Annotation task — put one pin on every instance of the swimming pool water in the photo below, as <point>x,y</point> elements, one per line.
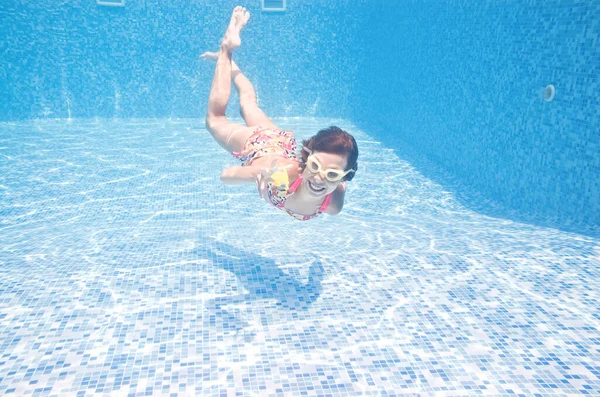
<point>129,269</point>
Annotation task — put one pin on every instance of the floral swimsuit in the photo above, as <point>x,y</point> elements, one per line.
<point>264,142</point>
<point>278,200</point>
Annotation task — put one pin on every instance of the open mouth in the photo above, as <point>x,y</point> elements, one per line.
<point>315,188</point>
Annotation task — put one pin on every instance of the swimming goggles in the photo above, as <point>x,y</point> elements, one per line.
<point>331,174</point>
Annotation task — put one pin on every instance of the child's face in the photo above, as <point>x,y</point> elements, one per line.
<point>315,182</point>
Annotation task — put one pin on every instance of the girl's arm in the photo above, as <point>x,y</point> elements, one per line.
<point>337,200</point>
<point>238,175</point>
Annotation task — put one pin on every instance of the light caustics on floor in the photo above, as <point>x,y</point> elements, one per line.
<point>128,268</point>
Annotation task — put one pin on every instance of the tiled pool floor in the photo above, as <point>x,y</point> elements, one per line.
<point>127,268</point>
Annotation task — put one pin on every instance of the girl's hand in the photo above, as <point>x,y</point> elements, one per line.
<point>264,177</point>
<point>261,184</point>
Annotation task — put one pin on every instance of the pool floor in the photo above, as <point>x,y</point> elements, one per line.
<point>128,269</point>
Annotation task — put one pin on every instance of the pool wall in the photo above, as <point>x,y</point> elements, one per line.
<point>461,83</point>
<point>82,60</point>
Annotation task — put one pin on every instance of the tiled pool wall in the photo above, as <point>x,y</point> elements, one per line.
<point>461,83</point>
<point>142,60</point>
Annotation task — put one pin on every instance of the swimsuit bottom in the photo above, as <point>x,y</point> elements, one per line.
<point>266,141</point>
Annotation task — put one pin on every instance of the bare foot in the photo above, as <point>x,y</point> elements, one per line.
<point>209,56</point>
<point>232,39</point>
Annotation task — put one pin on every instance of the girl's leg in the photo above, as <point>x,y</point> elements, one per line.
<point>252,114</point>
<point>230,136</point>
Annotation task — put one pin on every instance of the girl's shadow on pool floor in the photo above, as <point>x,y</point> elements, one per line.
<point>261,279</point>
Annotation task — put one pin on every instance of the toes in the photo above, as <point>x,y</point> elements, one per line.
<point>208,55</point>
<point>244,16</point>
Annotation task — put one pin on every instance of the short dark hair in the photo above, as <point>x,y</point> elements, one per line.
<point>332,140</point>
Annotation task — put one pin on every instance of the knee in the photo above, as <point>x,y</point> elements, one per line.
<point>211,121</point>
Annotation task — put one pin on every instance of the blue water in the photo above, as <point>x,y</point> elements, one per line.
<point>466,260</point>
<point>459,82</point>
<point>129,269</point>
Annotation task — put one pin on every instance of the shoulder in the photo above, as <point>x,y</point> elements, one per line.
<point>337,200</point>
<point>332,210</point>
<point>339,193</point>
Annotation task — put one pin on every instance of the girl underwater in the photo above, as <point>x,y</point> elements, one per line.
<point>305,184</point>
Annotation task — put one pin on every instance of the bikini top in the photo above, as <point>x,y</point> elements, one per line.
<point>278,196</point>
